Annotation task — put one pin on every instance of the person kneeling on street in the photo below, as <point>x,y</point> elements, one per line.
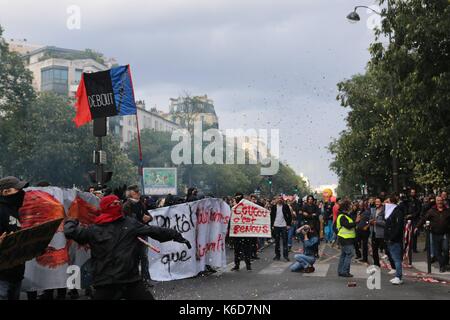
<point>113,240</point>
<point>305,261</point>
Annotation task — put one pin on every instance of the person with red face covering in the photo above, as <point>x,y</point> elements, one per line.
<point>113,240</point>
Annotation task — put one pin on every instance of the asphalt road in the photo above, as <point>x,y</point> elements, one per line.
<point>272,280</point>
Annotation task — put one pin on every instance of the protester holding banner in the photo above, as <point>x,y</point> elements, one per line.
<point>281,219</point>
<point>11,199</point>
<point>115,248</point>
<point>242,245</point>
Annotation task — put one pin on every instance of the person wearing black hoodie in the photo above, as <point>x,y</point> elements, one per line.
<point>393,235</point>
<point>11,199</point>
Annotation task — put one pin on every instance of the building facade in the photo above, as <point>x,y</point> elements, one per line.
<point>187,110</point>
<point>59,70</point>
<point>125,127</point>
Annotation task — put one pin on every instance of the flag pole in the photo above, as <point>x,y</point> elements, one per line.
<point>140,167</point>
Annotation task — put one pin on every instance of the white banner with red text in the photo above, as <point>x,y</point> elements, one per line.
<point>204,223</point>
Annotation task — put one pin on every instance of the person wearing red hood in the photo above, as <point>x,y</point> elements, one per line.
<point>114,250</point>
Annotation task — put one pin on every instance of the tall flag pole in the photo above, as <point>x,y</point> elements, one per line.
<point>141,162</point>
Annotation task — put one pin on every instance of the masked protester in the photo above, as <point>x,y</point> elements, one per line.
<point>115,248</point>
<point>11,199</point>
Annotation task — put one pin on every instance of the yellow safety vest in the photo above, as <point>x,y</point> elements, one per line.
<point>344,232</point>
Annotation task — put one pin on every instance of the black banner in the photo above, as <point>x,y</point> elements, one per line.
<point>100,94</point>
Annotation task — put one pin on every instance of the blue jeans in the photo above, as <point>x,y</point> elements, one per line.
<point>328,229</point>
<point>302,262</point>
<point>396,251</point>
<point>347,252</point>
<point>291,234</point>
<point>10,290</point>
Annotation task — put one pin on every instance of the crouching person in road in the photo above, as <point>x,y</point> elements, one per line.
<point>304,262</point>
<point>115,248</point>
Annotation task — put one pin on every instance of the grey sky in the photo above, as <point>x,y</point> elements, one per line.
<point>266,64</point>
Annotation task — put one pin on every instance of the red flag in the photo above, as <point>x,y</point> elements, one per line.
<point>82,106</point>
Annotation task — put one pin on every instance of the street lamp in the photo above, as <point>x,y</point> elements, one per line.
<point>353,17</point>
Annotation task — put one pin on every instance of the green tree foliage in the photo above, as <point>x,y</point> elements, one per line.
<point>401,103</point>
<point>216,179</point>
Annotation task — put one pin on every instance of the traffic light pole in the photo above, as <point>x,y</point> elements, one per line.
<point>101,177</point>
<point>98,164</point>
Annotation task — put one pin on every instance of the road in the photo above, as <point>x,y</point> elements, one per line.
<point>272,280</point>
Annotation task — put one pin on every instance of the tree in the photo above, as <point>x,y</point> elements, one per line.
<point>400,105</point>
<point>16,97</point>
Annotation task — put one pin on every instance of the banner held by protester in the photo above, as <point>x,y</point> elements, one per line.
<point>250,220</point>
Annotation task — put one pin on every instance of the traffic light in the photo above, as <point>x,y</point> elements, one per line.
<point>106,177</point>
<point>269,180</point>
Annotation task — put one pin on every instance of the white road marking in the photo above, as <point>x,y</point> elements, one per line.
<point>321,270</point>
<point>276,267</point>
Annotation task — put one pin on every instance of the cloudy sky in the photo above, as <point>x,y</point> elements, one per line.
<point>266,64</point>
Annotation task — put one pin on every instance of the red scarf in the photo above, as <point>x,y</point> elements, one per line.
<point>109,211</point>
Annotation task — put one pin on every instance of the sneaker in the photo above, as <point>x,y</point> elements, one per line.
<point>235,268</point>
<point>396,281</point>
<point>249,268</point>
<point>392,271</point>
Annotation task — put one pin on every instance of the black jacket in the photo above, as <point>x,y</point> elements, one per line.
<point>115,247</point>
<point>394,227</point>
<point>286,213</point>
<point>414,209</point>
<point>312,216</point>
<point>135,210</point>
<point>9,222</point>
<point>439,221</point>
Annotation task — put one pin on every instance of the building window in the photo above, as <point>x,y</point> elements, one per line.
<point>77,76</point>
<point>55,79</point>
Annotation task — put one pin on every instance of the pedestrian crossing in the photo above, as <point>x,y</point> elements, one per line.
<point>322,270</point>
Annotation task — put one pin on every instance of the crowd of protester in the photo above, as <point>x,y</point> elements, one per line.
<point>377,228</point>
<point>372,230</point>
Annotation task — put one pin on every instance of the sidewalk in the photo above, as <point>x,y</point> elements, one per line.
<point>420,267</point>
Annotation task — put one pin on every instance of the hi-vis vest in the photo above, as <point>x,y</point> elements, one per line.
<point>344,232</point>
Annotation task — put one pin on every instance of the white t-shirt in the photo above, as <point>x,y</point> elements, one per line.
<point>279,218</point>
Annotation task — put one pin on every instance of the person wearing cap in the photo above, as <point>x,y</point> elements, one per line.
<point>11,199</point>
<point>115,246</point>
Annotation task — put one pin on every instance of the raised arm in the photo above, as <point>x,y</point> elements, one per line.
<point>72,230</point>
